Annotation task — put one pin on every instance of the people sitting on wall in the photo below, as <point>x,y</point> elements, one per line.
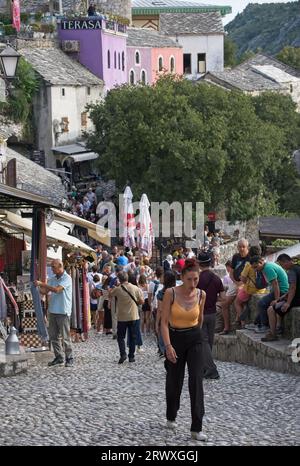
<point>91,9</point>
<point>279,309</point>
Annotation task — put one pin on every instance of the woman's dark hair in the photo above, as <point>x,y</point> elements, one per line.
<point>255,251</point>
<point>96,278</point>
<point>228,264</point>
<point>142,280</point>
<point>169,280</point>
<point>105,284</point>
<point>190,265</point>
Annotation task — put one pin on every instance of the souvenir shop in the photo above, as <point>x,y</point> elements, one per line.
<point>27,246</point>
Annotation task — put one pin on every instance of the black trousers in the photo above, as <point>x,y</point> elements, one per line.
<point>188,347</point>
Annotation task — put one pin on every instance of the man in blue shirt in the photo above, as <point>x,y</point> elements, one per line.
<point>122,260</point>
<point>59,310</point>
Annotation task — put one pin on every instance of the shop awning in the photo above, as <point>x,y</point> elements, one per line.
<point>13,198</point>
<point>55,234</point>
<point>82,157</point>
<point>77,148</point>
<point>100,234</point>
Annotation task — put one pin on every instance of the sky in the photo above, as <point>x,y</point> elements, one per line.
<point>237,5</point>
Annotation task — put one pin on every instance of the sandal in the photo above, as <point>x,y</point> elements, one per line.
<point>224,332</point>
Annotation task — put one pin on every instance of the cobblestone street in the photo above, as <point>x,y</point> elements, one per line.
<point>98,402</point>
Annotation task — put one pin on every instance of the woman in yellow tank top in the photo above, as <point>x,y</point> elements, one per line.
<point>181,322</point>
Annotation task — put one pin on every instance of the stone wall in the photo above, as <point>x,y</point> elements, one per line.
<point>116,7</point>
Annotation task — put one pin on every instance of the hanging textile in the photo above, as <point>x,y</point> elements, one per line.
<point>78,300</point>
<point>74,302</point>
<point>3,305</point>
<point>86,301</point>
<point>37,241</point>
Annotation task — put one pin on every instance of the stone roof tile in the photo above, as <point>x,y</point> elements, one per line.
<point>56,68</point>
<point>138,37</point>
<point>191,23</point>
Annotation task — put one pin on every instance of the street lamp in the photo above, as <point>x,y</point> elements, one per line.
<point>9,59</point>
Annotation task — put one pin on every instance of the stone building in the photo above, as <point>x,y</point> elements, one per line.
<point>116,7</point>
<point>259,74</point>
<point>60,114</point>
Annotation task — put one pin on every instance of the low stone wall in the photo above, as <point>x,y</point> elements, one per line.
<point>246,347</point>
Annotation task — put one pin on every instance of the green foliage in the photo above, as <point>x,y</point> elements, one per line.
<point>284,243</point>
<point>46,28</point>
<point>5,19</point>
<point>268,27</point>
<point>9,30</point>
<point>19,105</point>
<point>230,51</point>
<point>186,142</point>
<point>24,17</point>
<point>290,56</point>
<point>38,16</point>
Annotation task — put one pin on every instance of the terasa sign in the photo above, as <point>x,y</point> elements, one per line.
<point>81,24</point>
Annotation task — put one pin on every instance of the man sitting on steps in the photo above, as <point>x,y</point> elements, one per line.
<point>284,304</point>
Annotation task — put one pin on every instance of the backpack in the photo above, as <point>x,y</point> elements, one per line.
<point>260,280</point>
<point>154,299</point>
<point>95,294</point>
<point>238,270</point>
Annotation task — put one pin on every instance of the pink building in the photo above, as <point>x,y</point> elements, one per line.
<point>150,54</point>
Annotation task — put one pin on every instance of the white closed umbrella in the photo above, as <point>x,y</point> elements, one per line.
<point>128,220</point>
<point>145,232</point>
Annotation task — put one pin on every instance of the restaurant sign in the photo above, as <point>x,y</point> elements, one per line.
<point>80,24</point>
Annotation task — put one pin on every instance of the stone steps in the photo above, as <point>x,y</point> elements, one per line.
<point>14,364</point>
<point>246,347</point>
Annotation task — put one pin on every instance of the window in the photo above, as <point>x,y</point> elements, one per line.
<point>187,63</point>
<point>201,61</point>
<point>84,119</point>
<point>119,61</point>
<point>172,65</point>
<point>143,77</point>
<point>88,91</point>
<point>63,92</point>
<point>123,61</point>
<point>137,58</point>
<point>291,88</point>
<point>131,77</point>
<point>115,60</point>
<point>108,59</point>
<point>160,64</point>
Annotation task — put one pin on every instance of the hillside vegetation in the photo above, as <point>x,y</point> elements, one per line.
<point>269,27</point>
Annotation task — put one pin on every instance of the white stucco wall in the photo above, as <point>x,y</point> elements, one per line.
<point>56,107</point>
<point>212,45</point>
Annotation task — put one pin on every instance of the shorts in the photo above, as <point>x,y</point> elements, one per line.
<point>277,308</point>
<point>93,307</point>
<point>242,295</point>
<point>232,290</point>
<point>146,307</point>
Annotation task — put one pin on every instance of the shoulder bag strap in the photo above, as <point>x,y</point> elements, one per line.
<point>128,292</point>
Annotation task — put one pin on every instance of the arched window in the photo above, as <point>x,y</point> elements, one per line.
<point>115,60</point>
<point>123,61</point>
<point>108,59</point>
<point>132,77</point>
<point>137,58</point>
<point>119,61</point>
<point>143,77</point>
<point>160,64</point>
<point>172,65</point>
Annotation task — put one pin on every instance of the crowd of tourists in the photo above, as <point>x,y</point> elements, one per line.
<point>177,304</point>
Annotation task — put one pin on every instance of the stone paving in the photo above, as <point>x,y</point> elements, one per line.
<point>98,402</point>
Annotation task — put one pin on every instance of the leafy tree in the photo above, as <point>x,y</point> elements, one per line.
<point>185,142</point>
<point>290,56</point>
<point>230,51</point>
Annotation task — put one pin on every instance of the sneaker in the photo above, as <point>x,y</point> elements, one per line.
<point>69,362</point>
<point>262,329</point>
<point>55,362</point>
<point>250,326</point>
<point>122,359</point>
<point>171,425</point>
<point>115,337</point>
<point>131,359</point>
<point>140,350</point>
<point>199,436</point>
<point>270,337</point>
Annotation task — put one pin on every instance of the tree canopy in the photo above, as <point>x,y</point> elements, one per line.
<point>290,56</point>
<point>180,141</point>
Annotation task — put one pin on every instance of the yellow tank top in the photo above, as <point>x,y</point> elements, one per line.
<point>181,318</point>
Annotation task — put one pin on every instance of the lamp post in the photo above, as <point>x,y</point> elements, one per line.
<point>9,59</point>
